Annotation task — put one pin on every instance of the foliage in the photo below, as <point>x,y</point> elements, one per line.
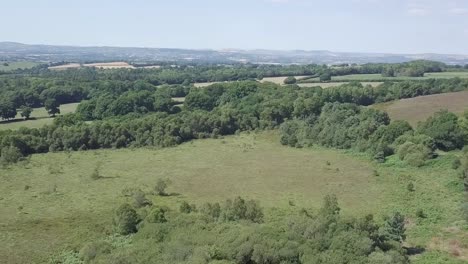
<point>443,127</point>
<point>125,220</point>
<point>26,112</point>
<point>290,80</point>
<point>160,187</point>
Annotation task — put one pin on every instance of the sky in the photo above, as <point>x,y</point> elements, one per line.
<point>390,26</point>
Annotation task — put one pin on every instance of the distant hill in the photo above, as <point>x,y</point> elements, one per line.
<point>50,53</point>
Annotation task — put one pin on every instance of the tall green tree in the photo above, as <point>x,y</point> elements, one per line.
<point>26,112</point>
<point>52,107</point>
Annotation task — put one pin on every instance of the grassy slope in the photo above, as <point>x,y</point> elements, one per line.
<point>420,108</point>
<point>17,65</point>
<point>39,118</point>
<point>38,221</point>
<point>434,75</point>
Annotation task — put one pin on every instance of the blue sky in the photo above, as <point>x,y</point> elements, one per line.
<point>398,26</point>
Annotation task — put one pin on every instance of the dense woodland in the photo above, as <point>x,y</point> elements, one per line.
<point>133,108</point>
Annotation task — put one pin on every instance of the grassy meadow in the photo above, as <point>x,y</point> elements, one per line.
<point>420,108</point>
<point>39,117</point>
<point>50,202</point>
<point>14,65</point>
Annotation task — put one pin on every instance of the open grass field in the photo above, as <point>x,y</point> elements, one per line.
<point>39,118</point>
<point>420,108</point>
<point>50,202</point>
<point>101,65</point>
<point>14,65</point>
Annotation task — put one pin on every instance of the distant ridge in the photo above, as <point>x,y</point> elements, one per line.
<point>55,53</point>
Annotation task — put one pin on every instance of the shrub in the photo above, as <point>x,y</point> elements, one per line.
<point>410,187</point>
<point>157,215</point>
<point>414,154</point>
<point>186,208</point>
<point>456,163</point>
<point>290,80</point>
<point>125,220</point>
<point>140,199</point>
<point>96,174</point>
<point>160,187</point>
<point>91,250</point>
<point>420,213</point>
<point>211,210</point>
<point>239,209</point>
<point>10,155</point>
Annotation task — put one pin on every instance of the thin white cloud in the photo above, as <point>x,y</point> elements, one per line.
<point>418,11</point>
<point>458,11</point>
<point>279,1</point>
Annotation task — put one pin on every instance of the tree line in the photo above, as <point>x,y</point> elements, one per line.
<point>221,109</point>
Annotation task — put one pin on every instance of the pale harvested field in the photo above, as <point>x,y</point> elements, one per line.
<point>101,65</point>
<point>65,66</point>
<point>335,84</point>
<point>420,108</point>
<point>110,65</point>
<point>280,80</point>
<point>204,84</point>
<point>178,99</point>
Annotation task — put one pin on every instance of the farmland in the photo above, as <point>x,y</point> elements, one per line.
<point>420,108</point>
<point>63,207</point>
<point>39,118</point>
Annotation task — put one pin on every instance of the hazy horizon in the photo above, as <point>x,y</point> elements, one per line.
<point>367,26</point>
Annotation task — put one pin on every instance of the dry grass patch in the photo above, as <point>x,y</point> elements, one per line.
<point>420,108</point>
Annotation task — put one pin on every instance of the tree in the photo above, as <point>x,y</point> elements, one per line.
<point>126,220</point>
<point>7,109</point>
<point>290,80</point>
<point>325,77</point>
<point>52,107</point>
<point>26,111</point>
<point>445,130</point>
<point>394,228</point>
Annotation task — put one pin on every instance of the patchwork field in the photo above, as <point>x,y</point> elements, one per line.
<point>39,118</point>
<point>51,202</point>
<point>420,108</point>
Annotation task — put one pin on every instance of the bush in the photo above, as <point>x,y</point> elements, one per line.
<point>96,174</point>
<point>410,187</point>
<point>239,209</point>
<point>91,250</point>
<point>10,155</point>
<point>160,187</point>
<point>186,208</point>
<point>456,163</point>
<point>211,210</point>
<point>140,199</point>
<point>420,213</point>
<point>125,220</point>
<point>414,154</point>
<point>157,215</point>
<point>290,80</point>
